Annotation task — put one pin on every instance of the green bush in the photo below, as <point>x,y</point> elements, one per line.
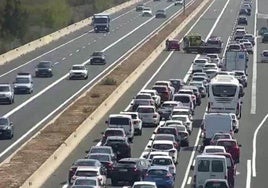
<point>109,81</point>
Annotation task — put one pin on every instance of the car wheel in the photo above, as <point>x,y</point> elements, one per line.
<point>86,77</point>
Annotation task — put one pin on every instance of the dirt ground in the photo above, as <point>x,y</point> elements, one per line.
<point>40,148</point>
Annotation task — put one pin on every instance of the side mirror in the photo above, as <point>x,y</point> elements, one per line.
<point>155,132</point>
<point>239,145</point>
<point>106,122</point>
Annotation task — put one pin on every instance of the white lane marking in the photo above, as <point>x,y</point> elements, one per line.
<point>131,51</point>
<point>125,36</point>
<point>56,63</point>
<point>64,44</point>
<point>254,65</point>
<point>189,180</point>
<point>199,131</point>
<point>77,50</point>
<point>248,183</point>
<point>88,43</point>
<point>83,47</point>
<point>254,148</point>
<point>70,54</point>
<point>193,163</point>
<point>63,58</point>
<point>225,49</point>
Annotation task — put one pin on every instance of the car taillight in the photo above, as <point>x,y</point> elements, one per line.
<point>135,169</point>
<point>169,175</point>
<point>154,116</point>
<point>146,174</point>
<point>136,121</point>
<point>110,164</point>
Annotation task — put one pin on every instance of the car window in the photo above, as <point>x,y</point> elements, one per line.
<point>86,173</point>
<point>217,166</point>
<point>162,146</point>
<point>215,184</point>
<point>119,121</point>
<point>203,166</point>
<point>161,162</point>
<point>3,121</point>
<point>183,99</point>
<point>144,186</point>
<point>157,172</point>
<point>145,110</point>
<point>4,88</point>
<point>85,182</point>
<point>101,158</point>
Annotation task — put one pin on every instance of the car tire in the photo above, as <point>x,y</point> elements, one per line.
<point>86,77</point>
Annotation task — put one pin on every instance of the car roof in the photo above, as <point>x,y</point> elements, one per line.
<point>159,167</point>
<point>163,142</point>
<point>85,168</point>
<point>114,128</point>
<point>146,106</point>
<point>162,134</point>
<point>227,140</point>
<point>130,159</point>
<point>144,183</point>
<point>116,138</point>
<point>119,115</point>
<point>162,157</point>
<point>213,147</point>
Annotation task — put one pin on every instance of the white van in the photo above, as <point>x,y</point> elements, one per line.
<point>122,121</point>
<point>209,167</point>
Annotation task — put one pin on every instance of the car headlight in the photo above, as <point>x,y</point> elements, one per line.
<point>49,69</point>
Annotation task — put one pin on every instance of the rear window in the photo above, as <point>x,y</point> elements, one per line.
<point>212,150</point>
<point>168,105</point>
<point>162,146</point>
<point>145,110</point>
<point>160,89</point>
<point>215,185</point>
<point>119,121</point>
<point>161,162</point>
<point>143,97</point>
<point>114,133</point>
<point>101,158</point>
<point>166,131</point>
<point>217,166</point>
<point>100,150</point>
<point>157,172</point>
<point>183,99</point>
<point>86,173</point>
<point>203,166</point>
<point>85,182</point>
<point>200,61</point>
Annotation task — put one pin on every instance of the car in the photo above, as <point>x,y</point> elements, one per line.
<point>106,160</point>
<point>210,66</point>
<point>149,156</point>
<point>231,146</point>
<point>213,149</point>
<point>264,38</point>
<point>177,83</point>
<point>6,128</point>
<point>112,132</point>
<point>211,73</point>
<point>263,30</point>
<point>164,92</point>
<point>167,137</point>
<point>200,74</point>
<point>154,94</point>
<point>196,93</point>
<point>249,47</point>
<point>178,2</point>
<point>120,146</point>
<point>83,186</point>
<point>44,69</point>
<point>89,171</point>
<point>98,57</point>
<point>148,115</point>
<point>87,181</point>
<point>214,58</point>
<point>101,149</point>
<point>147,184</point>
<point>241,76</point>
<point>186,99</point>
<point>161,176</point>
<point>23,83</point>
<point>170,129</point>
<point>82,162</point>
<point>137,122</point>
<point>185,120</point>
<point>250,37</point>
<point>216,183</point>
<point>166,83</point>
<point>147,11</point>
<point>173,44</point>
<point>78,71</point>
<point>198,64</point>
<point>201,78</point>
<point>164,161</point>
<point>234,47</point>
<point>160,13</point>
<point>167,107</point>
<point>6,93</point>
<point>165,145</point>
<point>218,136</point>
<point>239,34</point>
<point>201,87</point>
<point>242,20</point>
<point>140,7</point>
<point>182,111</point>
<point>144,102</point>
<point>147,96</point>
<point>244,12</point>
<point>129,170</point>
<point>264,56</point>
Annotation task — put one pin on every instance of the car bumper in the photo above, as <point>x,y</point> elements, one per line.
<point>5,133</point>
<point>22,90</point>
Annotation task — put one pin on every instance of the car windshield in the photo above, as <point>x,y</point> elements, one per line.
<point>183,99</point>
<point>227,144</point>
<point>100,20</point>
<point>145,110</point>
<point>224,90</point>
<point>114,133</point>
<point>85,182</point>
<point>166,130</point>
<point>265,54</point>
<point>44,65</point>
<point>78,68</point>
<point>101,158</point>
<point>22,80</point>
<point>3,121</point>
<point>162,146</point>
<point>215,184</point>
<point>198,78</point>
<point>126,163</point>
<point>100,150</point>
<point>143,97</point>
<point>157,172</point>
<point>85,163</point>
<point>119,121</point>
<point>162,162</point>
<point>213,42</point>
<point>169,105</point>
<point>142,102</point>
<point>221,136</point>
<point>213,56</point>
<point>4,88</point>
<point>97,54</point>
<point>200,61</point>
<point>160,11</point>
<point>88,173</point>
<point>180,118</point>
<point>213,150</point>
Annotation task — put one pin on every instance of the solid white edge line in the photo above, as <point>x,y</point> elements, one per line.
<point>64,44</point>
<point>248,183</point>
<point>254,64</point>
<point>254,148</point>
<point>189,180</point>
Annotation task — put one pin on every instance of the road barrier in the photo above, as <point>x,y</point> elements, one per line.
<point>31,46</point>
<point>54,161</point>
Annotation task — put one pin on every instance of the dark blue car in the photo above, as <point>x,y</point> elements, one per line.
<point>161,176</point>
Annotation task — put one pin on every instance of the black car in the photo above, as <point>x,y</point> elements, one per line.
<point>129,170</point>
<point>160,14</point>
<point>244,12</point>
<point>44,69</point>
<point>242,20</point>
<point>97,58</point>
<point>82,162</point>
<point>106,160</point>
<point>120,146</point>
<point>6,128</point>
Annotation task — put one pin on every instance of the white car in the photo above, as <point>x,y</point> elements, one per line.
<point>201,87</point>
<point>166,108</point>
<point>140,184</point>
<point>213,149</point>
<point>86,171</point>
<point>168,84</point>
<point>249,47</point>
<point>23,83</point>
<point>166,145</point>
<point>210,66</point>
<point>264,56</point>
<point>148,115</point>
<point>172,122</point>
<point>154,95</point>
<point>203,79</point>
<point>147,11</point>
<point>185,120</point>
<point>137,123</point>
<point>182,111</point>
<point>214,58</point>
<point>186,99</point>
<point>164,161</point>
<point>78,71</point>
<point>178,2</point>
<point>198,64</point>
<point>92,181</point>
<point>217,136</point>
<point>235,123</point>
<point>211,73</point>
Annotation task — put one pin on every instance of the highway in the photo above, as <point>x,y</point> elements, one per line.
<point>218,20</point>
<point>128,28</point>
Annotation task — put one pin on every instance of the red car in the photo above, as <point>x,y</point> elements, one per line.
<point>231,146</point>
<point>163,91</point>
<point>173,44</point>
<point>231,166</point>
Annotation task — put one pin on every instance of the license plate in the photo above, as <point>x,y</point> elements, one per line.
<point>158,179</point>
<point>123,170</point>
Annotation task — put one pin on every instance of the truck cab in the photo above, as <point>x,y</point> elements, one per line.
<point>101,22</point>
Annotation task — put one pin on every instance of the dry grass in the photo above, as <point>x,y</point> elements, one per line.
<point>36,152</point>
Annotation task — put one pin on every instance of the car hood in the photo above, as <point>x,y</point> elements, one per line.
<point>78,71</point>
